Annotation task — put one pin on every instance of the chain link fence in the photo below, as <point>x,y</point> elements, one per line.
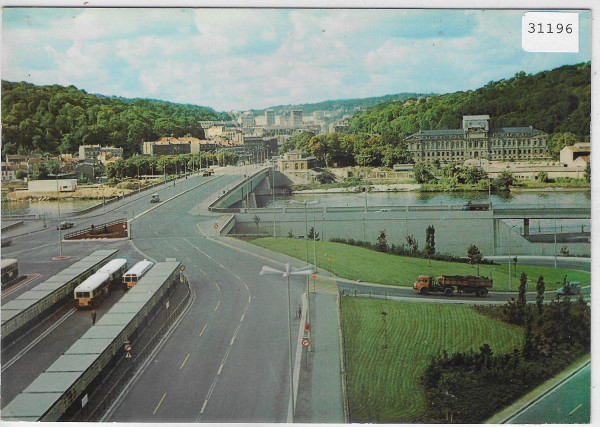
<point>95,412</point>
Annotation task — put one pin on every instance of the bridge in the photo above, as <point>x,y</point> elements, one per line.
<point>456,228</point>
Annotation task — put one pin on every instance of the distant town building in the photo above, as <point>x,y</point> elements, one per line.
<point>477,141</point>
<point>295,161</point>
<point>247,120</point>
<point>170,145</point>
<point>576,155</point>
<point>166,146</point>
<point>9,172</point>
<point>206,123</point>
<point>296,118</point>
<point>93,151</point>
<point>270,117</point>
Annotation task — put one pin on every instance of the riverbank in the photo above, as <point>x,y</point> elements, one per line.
<point>81,193</point>
<point>379,188</point>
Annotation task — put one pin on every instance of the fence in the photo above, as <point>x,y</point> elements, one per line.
<point>93,227</point>
<point>343,356</point>
<point>95,414</point>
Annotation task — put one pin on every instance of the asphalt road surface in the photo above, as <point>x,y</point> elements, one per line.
<point>569,403</point>
<point>227,361</point>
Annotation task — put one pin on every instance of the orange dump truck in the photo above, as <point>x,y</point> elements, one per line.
<point>478,285</point>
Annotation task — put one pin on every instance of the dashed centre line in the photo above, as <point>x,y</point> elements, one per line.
<point>202,331</point>
<point>158,406</point>
<point>576,408</point>
<point>217,285</point>
<point>186,358</point>
<point>218,304</point>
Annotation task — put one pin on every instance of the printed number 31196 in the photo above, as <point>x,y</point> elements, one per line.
<point>549,29</point>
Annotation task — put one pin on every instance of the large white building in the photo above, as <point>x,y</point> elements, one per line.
<point>476,140</point>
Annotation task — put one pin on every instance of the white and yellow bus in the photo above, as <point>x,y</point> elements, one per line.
<point>96,287</point>
<point>135,273</point>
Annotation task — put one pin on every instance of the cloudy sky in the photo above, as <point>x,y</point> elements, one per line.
<point>254,58</point>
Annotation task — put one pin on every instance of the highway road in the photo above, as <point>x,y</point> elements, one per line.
<point>227,360</point>
<point>568,403</point>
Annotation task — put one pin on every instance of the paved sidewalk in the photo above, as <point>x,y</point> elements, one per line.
<point>320,398</point>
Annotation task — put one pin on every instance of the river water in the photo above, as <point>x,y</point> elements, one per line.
<point>403,198</point>
<point>409,198</point>
<point>559,199</point>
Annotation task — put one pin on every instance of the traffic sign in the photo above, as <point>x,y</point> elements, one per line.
<point>305,342</point>
<point>307,327</point>
<point>216,226</point>
<point>127,347</point>
<point>314,275</point>
<point>182,268</point>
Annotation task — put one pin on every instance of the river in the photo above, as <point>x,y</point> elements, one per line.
<point>410,198</point>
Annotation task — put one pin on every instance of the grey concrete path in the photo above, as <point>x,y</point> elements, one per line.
<point>320,398</point>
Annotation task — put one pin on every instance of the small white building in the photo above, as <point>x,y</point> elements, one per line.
<point>576,155</point>
<point>46,185</point>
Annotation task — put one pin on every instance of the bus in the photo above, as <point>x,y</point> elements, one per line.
<point>95,288</point>
<point>135,273</point>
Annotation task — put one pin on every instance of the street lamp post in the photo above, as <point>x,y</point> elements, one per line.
<point>305,203</point>
<point>59,229</point>
<point>266,270</point>
<point>509,258</point>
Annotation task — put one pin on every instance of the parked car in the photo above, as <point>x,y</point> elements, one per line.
<point>64,225</point>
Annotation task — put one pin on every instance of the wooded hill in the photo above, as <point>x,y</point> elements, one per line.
<point>553,101</point>
<point>346,105</point>
<point>57,119</point>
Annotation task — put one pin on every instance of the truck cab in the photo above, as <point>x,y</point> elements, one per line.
<point>422,284</point>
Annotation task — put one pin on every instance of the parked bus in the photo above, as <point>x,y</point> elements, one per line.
<point>96,287</point>
<point>10,272</point>
<point>135,273</point>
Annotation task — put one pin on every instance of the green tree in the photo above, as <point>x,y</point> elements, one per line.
<point>504,181</point>
<point>429,241</point>
<point>40,171</point>
<point>412,244</point>
<point>381,245</point>
<point>540,287</point>
<point>558,141</point>
<point>588,172</point>
<point>521,298</point>
<point>422,173</point>
<point>475,256</point>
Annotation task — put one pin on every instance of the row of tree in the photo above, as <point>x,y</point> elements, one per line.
<point>56,119</point>
<point>351,149</point>
<point>139,166</point>
<point>554,101</point>
<point>471,386</point>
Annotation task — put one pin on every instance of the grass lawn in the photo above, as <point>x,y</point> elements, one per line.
<point>383,383</point>
<point>356,263</point>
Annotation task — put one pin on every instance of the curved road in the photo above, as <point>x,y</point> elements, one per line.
<point>227,361</point>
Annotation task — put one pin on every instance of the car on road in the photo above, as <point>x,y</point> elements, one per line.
<point>570,288</point>
<point>64,225</point>
<point>155,198</point>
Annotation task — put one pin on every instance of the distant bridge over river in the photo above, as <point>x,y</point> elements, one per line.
<point>456,228</point>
